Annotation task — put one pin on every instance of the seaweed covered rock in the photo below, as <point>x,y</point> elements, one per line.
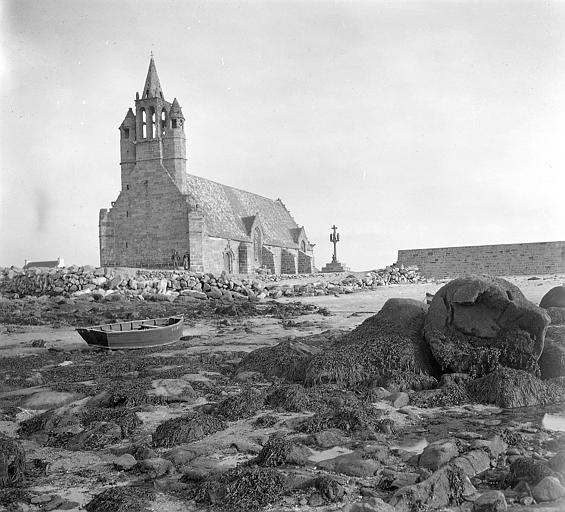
<point>186,429</point>
<point>280,450</point>
<point>509,388</point>
<point>122,499</point>
<point>98,435</point>
<point>53,424</point>
<point>12,462</point>
<point>243,489</point>
<point>289,397</point>
<point>287,360</point>
<point>528,470</point>
<point>552,359</point>
<point>477,323</point>
<point>240,406</point>
<point>554,298</point>
<point>348,418</point>
<point>388,349</point>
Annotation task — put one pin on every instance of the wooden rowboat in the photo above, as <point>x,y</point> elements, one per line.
<point>134,334</point>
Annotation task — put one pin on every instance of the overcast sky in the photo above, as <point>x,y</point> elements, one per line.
<point>407,124</point>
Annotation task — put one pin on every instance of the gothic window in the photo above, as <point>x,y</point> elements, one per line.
<point>303,246</point>
<point>126,133</point>
<point>152,125</point>
<point>174,123</point>
<point>163,122</point>
<point>143,123</point>
<point>257,245</point>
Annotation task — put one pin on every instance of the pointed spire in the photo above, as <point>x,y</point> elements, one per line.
<point>152,87</point>
<point>175,110</point>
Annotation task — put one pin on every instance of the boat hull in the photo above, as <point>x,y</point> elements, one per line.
<point>135,334</point>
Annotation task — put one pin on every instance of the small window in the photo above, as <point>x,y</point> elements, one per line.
<point>127,213</point>
<point>127,187</point>
<point>126,245</point>
<point>174,123</point>
<point>126,133</point>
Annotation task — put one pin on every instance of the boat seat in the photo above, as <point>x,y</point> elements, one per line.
<point>143,327</point>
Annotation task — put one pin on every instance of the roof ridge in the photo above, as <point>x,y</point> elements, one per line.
<point>236,188</point>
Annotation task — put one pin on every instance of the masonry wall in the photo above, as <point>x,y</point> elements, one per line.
<point>147,221</point>
<point>502,260</point>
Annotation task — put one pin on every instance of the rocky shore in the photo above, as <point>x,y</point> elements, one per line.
<point>456,405</point>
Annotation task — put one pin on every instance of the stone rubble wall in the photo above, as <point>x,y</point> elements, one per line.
<point>103,282</point>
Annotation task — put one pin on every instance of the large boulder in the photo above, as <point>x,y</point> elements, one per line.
<point>476,324</point>
<point>387,349</point>
<point>554,298</point>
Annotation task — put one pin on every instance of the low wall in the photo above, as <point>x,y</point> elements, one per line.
<point>502,260</point>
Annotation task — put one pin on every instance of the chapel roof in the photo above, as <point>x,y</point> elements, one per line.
<point>228,212</point>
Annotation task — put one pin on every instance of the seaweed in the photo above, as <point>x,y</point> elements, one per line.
<point>186,429</point>
<point>242,489</point>
<point>122,499</point>
<point>12,462</point>
<point>240,406</point>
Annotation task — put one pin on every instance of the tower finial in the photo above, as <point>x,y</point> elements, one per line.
<point>151,53</point>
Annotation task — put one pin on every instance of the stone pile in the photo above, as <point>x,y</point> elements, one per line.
<point>116,283</point>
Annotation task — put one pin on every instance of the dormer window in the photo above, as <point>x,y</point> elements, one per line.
<point>174,121</point>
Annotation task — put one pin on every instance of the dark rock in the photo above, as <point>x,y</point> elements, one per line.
<point>528,470</point>
<point>477,323</point>
<point>554,298</point>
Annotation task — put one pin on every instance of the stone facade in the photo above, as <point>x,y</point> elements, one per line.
<point>501,260</point>
<point>161,208</point>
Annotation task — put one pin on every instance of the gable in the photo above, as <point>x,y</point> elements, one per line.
<point>229,212</point>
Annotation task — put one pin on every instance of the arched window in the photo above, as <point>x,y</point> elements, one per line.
<point>303,246</point>
<point>152,125</point>
<point>143,123</point>
<point>163,121</point>
<point>257,245</point>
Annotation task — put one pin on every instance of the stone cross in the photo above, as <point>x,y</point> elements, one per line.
<point>334,239</point>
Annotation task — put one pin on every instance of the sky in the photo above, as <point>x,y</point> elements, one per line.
<point>407,124</point>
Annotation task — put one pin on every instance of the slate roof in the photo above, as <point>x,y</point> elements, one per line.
<point>229,212</point>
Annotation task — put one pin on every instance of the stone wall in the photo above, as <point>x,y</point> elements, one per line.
<point>288,262</point>
<point>147,221</point>
<point>502,260</point>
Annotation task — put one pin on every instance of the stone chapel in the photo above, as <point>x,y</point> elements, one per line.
<point>161,208</point>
